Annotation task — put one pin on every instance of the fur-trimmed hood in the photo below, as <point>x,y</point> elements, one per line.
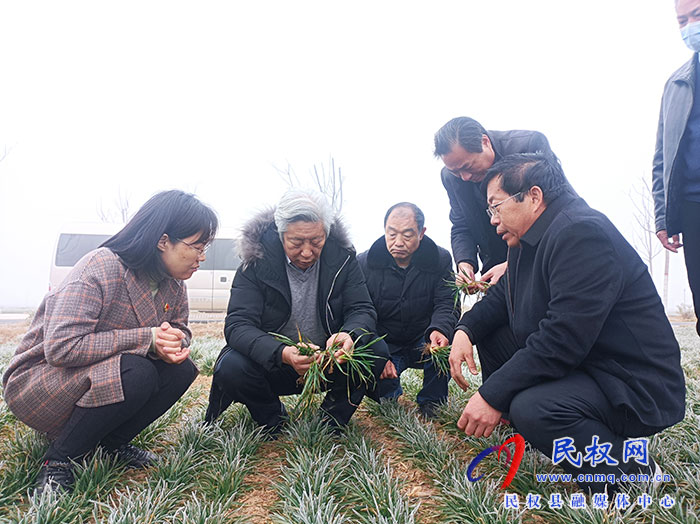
<point>250,243</point>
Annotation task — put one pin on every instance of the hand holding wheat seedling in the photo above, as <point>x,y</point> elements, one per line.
<point>439,356</point>
<point>341,353</point>
<point>463,283</point>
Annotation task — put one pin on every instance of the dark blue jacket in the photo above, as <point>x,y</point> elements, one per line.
<point>577,296</point>
<point>414,302</point>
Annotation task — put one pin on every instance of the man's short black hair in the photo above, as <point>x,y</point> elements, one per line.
<point>522,171</point>
<point>420,217</point>
<point>462,130</point>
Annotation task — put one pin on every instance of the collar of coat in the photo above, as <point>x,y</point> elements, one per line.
<point>149,308</point>
<point>426,257</point>
<point>533,235</point>
<point>686,73</point>
<point>259,239</point>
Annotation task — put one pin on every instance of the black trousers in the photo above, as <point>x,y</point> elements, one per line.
<point>573,406</point>
<point>238,378</point>
<point>150,388</point>
<point>690,223</point>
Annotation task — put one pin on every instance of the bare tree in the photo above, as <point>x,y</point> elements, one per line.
<point>118,213</point>
<point>330,184</point>
<point>645,241</point>
<point>328,180</point>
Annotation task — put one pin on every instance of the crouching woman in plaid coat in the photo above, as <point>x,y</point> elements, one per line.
<point>107,352</point>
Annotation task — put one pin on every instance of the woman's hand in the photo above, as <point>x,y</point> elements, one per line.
<point>168,344</point>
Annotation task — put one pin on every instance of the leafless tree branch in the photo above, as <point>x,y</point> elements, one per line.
<point>119,212</point>
<point>328,181</point>
<point>645,241</point>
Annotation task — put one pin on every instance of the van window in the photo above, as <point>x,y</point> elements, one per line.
<point>222,255</point>
<point>73,246</point>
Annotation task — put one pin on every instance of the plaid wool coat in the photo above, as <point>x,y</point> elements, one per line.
<point>71,354</point>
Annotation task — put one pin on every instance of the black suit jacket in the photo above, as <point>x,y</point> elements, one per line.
<point>472,233</point>
<point>577,296</point>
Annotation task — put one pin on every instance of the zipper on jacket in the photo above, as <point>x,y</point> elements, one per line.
<point>328,298</point>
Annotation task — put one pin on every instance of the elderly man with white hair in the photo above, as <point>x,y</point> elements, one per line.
<point>299,272</point>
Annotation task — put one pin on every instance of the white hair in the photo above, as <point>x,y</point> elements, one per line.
<point>305,205</point>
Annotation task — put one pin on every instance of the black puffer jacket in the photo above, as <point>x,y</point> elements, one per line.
<point>261,299</point>
<point>411,303</point>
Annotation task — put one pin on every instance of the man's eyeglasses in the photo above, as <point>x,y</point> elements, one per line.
<point>200,250</point>
<point>492,210</point>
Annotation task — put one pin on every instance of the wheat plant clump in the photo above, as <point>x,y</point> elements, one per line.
<point>356,365</point>
<point>439,356</point>
<point>467,286</point>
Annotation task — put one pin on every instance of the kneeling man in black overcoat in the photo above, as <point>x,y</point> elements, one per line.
<point>591,351</point>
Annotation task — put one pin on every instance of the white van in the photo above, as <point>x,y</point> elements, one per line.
<point>208,289</point>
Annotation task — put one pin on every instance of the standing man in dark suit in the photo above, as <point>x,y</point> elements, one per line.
<point>676,171</point>
<point>468,151</point>
<point>594,353</point>
<point>407,275</point>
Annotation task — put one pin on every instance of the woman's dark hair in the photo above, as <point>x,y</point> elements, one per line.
<point>175,213</point>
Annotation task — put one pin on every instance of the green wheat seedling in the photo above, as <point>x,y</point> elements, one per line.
<point>154,434</point>
<point>21,454</point>
<point>197,511</point>
<point>98,473</point>
<point>311,433</point>
<point>153,505</point>
<point>50,507</point>
<point>309,487</point>
<point>229,461</point>
<point>95,476</point>
<point>439,356</point>
<point>204,352</point>
<point>373,492</point>
<point>460,500</point>
<point>356,365</point>
<point>421,441</point>
<point>466,287</point>
<point>466,501</point>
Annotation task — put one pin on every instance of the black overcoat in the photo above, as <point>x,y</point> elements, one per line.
<point>578,296</point>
